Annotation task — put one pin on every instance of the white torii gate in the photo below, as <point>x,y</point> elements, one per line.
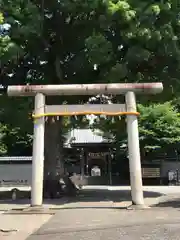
<point>41,110</point>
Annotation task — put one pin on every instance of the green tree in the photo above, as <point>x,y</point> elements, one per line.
<point>14,138</point>
<point>144,37</point>
<point>3,147</point>
<point>159,127</point>
<point>60,41</point>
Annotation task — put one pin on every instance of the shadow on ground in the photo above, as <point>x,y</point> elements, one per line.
<point>88,198</point>
<point>172,203</point>
<point>111,195</point>
<point>7,195</point>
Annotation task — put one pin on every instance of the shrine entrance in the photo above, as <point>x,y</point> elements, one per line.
<point>98,168</point>
<point>42,110</point>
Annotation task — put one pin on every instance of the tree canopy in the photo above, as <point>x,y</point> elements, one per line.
<point>159,126</point>
<point>59,42</point>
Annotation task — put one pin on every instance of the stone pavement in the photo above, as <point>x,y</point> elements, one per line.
<point>111,224</point>
<point>19,227</point>
<point>98,214</point>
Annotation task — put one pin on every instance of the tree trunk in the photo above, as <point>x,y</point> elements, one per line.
<point>54,163</point>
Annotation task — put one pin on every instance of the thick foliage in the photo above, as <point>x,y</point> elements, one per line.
<point>58,42</point>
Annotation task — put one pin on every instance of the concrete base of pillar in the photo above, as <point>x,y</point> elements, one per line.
<point>138,207</point>
<point>32,210</point>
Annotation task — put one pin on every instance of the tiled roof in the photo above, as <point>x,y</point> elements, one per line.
<point>79,136</point>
